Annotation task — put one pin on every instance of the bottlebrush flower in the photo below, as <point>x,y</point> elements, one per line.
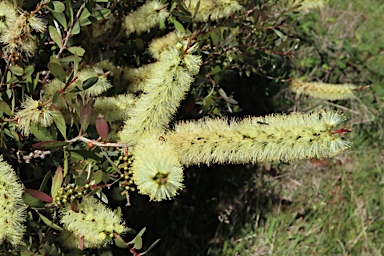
<point>12,206</point>
<point>258,139</point>
<point>8,16</point>
<point>157,171</point>
<point>168,82</point>
<point>212,9</point>
<point>146,17</point>
<point>309,4</point>
<point>17,35</point>
<point>34,112</point>
<point>93,222</point>
<point>323,90</point>
<point>113,108</point>
<point>158,45</point>
<point>137,77</point>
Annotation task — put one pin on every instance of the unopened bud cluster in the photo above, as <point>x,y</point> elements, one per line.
<point>124,163</point>
<point>68,194</point>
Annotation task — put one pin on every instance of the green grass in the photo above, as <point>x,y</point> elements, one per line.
<point>332,207</point>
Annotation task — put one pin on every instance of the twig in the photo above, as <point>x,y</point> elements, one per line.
<point>96,143</point>
<point>5,72</point>
<point>64,46</point>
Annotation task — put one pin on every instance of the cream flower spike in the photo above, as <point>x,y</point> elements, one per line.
<point>93,221</point>
<point>323,90</point>
<point>12,206</point>
<point>258,139</point>
<point>145,17</point>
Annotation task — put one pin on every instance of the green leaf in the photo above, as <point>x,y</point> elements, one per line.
<point>76,49</point>
<point>105,178</point>
<point>178,26</point>
<point>28,71</point>
<point>85,116</point>
<point>4,107</point>
<point>85,154</point>
<point>89,82</point>
<point>57,71</point>
<point>55,97</point>
<point>45,181</point>
<point>41,133</point>
<point>98,176</point>
<point>101,14</point>
<point>53,144</point>
<point>58,6</point>
<point>57,181</point>
<point>55,36</point>
<point>138,241</point>
<point>80,182</point>
<point>196,9</point>
<point>215,70</point>
<point>71,58</point>
<point>60,17</point>
<point>59,120</point>
<point>32,201</point>
<point>19,71</point>
<point>50,223</point>
<point>76,28</point>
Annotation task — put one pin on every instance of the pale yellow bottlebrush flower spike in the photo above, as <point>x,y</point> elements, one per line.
<point>157,171</point>
<point>93,221</point>
<point>137,77</point>
<point>169,81</point>
<point>323,90</point>
<point>8,16</point>
<point>304,5</point>
<point>34,112</point>
<point>114,109</point>
<point>12,206</point>
<point>158,45</point>
<point>258,139</point>
<point>145,17</point>
<point>212,9</point>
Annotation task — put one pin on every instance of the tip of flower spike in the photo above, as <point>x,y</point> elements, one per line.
<point>157,171</point>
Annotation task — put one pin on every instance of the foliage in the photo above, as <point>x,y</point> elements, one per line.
<point>89,93</point>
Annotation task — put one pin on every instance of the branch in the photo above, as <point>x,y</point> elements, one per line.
<point>64,46</point>
<point>96,143</point>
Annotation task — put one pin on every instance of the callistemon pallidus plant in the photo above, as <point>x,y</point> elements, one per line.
<point>169,81</point>
<point>157,171</point>
<point>12,206</point>
<point>323,90</point>
<point>258,139</point>
<point>92,222</point>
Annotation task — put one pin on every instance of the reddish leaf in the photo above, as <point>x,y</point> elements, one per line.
<point>39,195</point>
<point>49,144</point>
<point>85,116</point>
<point>102,126</point>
